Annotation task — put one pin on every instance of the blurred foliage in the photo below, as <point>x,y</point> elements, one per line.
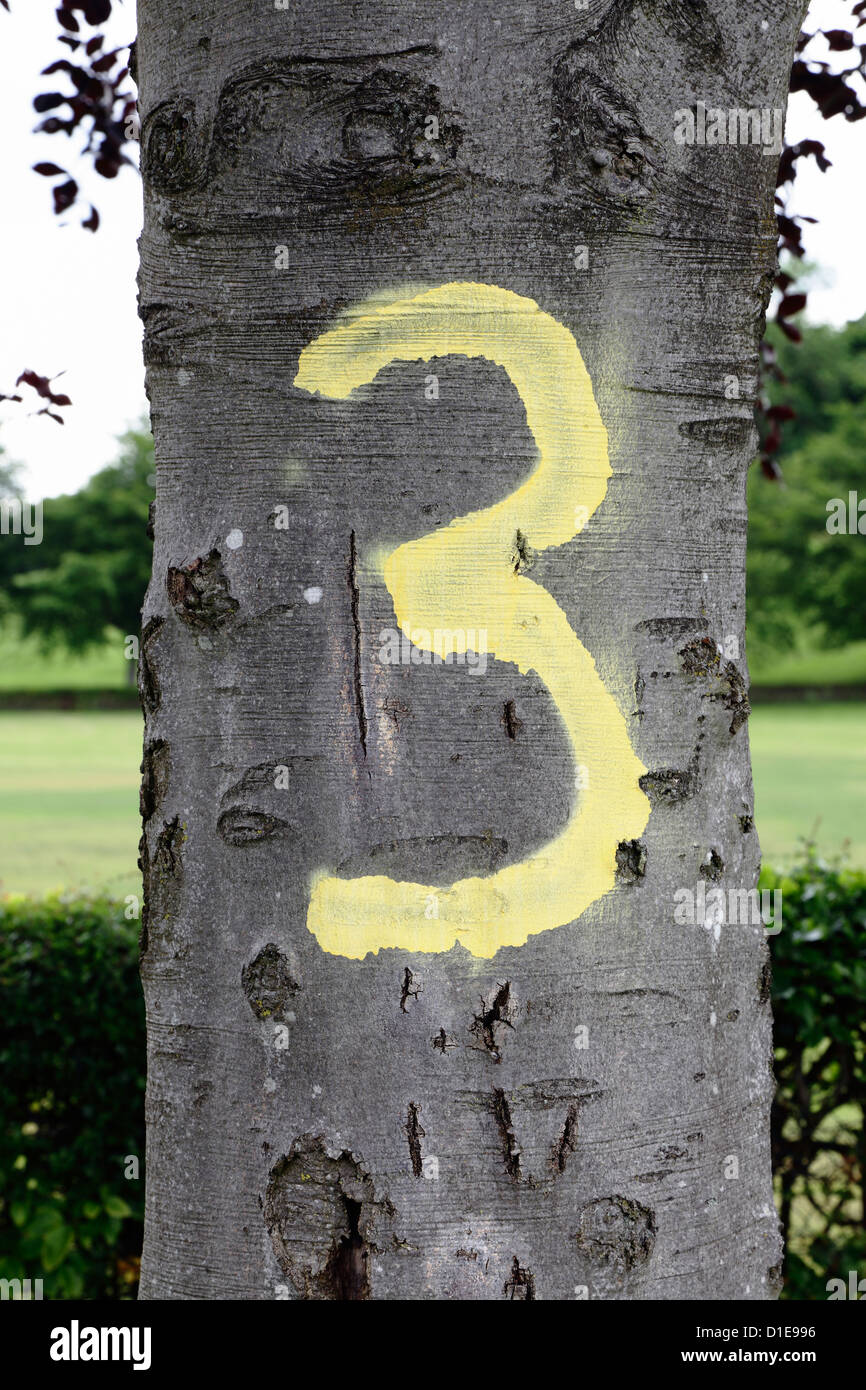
<point>72,1064</point>
<point>9,476</point>
<point>819,1145</point>
<point>91,571</point>
<point>798,573</point>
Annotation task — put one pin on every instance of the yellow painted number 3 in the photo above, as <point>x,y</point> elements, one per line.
<point>462,578</point>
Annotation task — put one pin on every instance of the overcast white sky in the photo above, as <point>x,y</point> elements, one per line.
<point>68,297</point>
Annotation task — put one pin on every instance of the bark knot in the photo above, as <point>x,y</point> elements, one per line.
<point>270,984</point>
<point>199,593</point>
<point>324,1219</point>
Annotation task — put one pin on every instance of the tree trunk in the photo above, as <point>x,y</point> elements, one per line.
<point>451,317</point>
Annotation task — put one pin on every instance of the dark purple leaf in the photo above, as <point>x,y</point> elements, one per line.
<point>40,384</point>
<point>770,469</point>
<point>53,124</point>
<point>83,82</point>
<point>64,195</point>
<point>829,90</point>
<point>92,222</point>
<point>791,304</point>
<point>838,39</point>
<point>772,441</point>
<point>48,101</point>
<point>814,147</point>
<point>47,170</point>
<point>96,11</point>
<point>789,234</point>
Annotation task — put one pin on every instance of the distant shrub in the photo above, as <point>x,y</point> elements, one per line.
<point>819,1144</point>
<point>72,1066</point>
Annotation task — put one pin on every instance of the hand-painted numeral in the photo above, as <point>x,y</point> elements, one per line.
<point>462,578</point>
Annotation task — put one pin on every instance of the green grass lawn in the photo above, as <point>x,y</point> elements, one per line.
<point>809,766</point>
<point>69,800</point>
<point>807,666</point>
<point>25,665</point>
<point>69,791</point>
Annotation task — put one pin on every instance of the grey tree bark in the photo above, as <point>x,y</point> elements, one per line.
<point>583,1113</point>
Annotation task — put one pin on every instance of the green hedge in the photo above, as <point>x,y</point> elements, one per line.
<point>72,1060</point>
<point>72,1063</point>
<point>819,1142</point>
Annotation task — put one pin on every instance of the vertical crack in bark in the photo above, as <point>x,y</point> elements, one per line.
<point>148,681</point>
<point>144,868</point>
<point>523,557</point>
<point>509,720</point>
<point>415,1133</point>
<point>505,1125</point>
<point>162,884</point>
<point>356,626</point>
<point>410,989</point>
<point>493,1016</point>
<point>567,1141</point>
<point>521,1285</point>
<point>155,775</point>
<point>347,1272</point>
<point>765,980</point>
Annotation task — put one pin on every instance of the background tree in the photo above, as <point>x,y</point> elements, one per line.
<point>800,575</point>
<point>88,574</point>
<point>10,475</point>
